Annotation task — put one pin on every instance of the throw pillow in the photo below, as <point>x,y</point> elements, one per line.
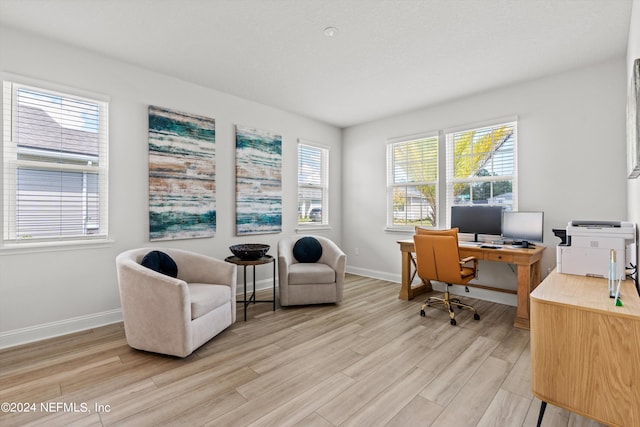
<point>307,249</point>
<point>160,262</point>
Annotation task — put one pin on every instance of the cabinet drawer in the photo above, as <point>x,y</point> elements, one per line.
<point>499,257</point>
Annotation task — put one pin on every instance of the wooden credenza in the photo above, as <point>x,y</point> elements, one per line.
<point>585,351</point>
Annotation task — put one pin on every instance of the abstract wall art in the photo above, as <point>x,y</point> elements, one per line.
<point>258,181</point>
<point>182,175</point>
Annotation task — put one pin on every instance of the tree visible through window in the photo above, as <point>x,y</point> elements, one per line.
<point>413,182</point>
<point>481,166</point>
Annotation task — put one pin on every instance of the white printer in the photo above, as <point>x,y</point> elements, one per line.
<point>588,245</point>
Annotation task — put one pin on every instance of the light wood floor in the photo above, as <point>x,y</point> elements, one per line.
<point>371,361</point>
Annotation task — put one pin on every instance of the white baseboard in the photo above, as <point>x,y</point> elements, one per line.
<point>483,294</point>
<point>61,327</point>
<point>260,285</point>
<point>375,274</point>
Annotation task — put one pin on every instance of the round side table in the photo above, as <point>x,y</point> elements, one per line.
<point>260,261</point>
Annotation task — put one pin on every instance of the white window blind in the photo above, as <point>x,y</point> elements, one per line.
<point>412,182</point>
<point>481,166</point>
<point>55,180</point>
<point>313,184</point>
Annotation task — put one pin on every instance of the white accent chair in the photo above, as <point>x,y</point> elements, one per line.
<point>175,316</point>
<point>303,283</point>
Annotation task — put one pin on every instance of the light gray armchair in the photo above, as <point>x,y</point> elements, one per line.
<point>311,282</point>
<point>175,316</point>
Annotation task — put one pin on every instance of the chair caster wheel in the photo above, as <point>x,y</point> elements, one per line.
<point>422,313</point>
<point>476,316</point>
<point>453,322</point>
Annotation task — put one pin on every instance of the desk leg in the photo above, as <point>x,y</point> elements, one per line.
<point>406,291</point>
<point>274,284</point>
<point>543,406</point>
<point>528,280</point>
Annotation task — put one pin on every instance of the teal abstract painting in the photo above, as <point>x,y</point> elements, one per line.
<point>182,175</point>
<point>258,181</point>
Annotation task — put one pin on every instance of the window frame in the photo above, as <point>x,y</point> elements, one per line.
<point>322,184</point>
<point>444,183</point>
<point>11,162</point>
<point>450,181</point>
<point>392,185</point>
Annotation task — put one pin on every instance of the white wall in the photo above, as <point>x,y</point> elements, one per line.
<point>633,52</point>
<point>52,292</point>
<point>571,162</point>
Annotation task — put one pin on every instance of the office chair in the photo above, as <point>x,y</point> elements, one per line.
<point>438,258</point>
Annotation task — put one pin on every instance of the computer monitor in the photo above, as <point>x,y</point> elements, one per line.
<point>477,219</point>
<point>522,227</point>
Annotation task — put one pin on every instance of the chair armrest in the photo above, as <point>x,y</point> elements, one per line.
<point>285,259</point>
<point>469,259</point>
<point>153,302</point>
<point>333,256</point>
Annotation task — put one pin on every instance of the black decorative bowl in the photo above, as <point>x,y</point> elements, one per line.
<point>249,251</point>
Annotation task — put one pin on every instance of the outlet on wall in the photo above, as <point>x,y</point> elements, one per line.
<point>356,251</point>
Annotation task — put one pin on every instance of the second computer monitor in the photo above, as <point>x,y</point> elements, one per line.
<point>523,226</point>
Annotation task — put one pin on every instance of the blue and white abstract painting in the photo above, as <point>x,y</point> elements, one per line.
<point>182,175</point>
<point>258,181</point>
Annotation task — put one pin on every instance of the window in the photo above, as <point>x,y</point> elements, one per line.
<point>313,184</point>
<point>55,165</point>
<point>428,174</point>
<point>481,167</point>
<point>412,182</point>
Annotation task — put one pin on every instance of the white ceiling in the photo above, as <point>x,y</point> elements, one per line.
<point>387,57</point>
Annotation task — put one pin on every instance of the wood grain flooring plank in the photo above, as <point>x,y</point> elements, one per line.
<point>386,405</point>
<point>505,410</point>
<point>452,378</point>
<point>282,391</point>
<point>374,383</point>
<point>418,412</point>
<point>470,403</point>
<point>304,404</point>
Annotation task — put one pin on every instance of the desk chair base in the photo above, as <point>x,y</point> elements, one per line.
<point>448,303</point>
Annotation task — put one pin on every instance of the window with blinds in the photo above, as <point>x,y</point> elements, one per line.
<point>412,183</point>
<point>313,184</point>
<point>55,180</point>
<point>481,166</point>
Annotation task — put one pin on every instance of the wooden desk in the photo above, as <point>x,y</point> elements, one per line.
<point>585,352</point>
<point>528,262</point>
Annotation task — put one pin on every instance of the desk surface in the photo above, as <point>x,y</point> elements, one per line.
<point>585,351</point>
<point>472,246</point>
<point>588,293</point>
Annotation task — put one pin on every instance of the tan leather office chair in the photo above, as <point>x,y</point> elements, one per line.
<point>438,258</point>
